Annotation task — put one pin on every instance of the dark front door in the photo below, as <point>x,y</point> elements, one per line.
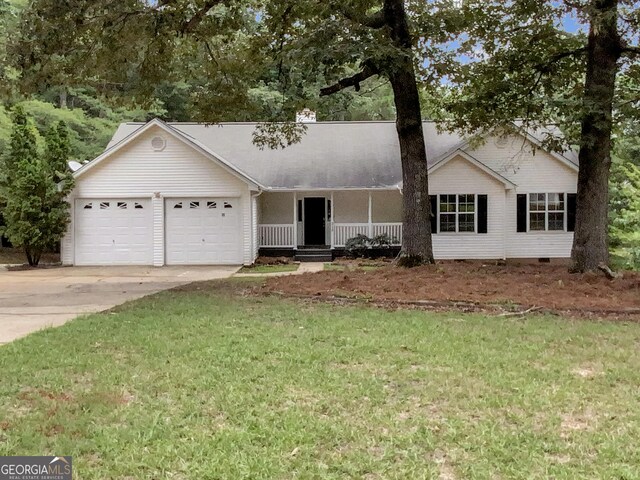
<point>314,221</point>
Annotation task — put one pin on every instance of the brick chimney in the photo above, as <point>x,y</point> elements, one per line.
<point>306,116</point>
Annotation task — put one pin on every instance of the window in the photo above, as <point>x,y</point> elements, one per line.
<point>194,204</point>
<point>178,205</point>
<point>138,206</point>
<point>227,205</point>
<point>104,205</point>
<point>122,205</point>
<point>457,213</point>
<point>88,206</point>
<point>212,205</point>
<point>546,211</point>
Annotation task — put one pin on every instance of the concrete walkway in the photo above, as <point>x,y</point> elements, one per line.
<point>34,299</point>
<point>305,267</point>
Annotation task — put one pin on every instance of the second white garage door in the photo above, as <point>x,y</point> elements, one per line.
<point>203,231</point>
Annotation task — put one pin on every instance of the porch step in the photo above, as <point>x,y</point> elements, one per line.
<point>314,255</point>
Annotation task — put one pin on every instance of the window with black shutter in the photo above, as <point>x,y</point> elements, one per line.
<point>546,212</point>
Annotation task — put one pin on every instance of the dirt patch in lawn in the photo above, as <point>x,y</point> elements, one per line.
<point>508,287</point>
<point>16,256</point>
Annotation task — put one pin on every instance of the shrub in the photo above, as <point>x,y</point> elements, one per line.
<point>363,246</point>
<point>357,246</point>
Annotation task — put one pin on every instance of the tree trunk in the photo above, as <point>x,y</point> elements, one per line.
<point>590,244</point>
<point>27,252</point>
<point>62,97</point>
<point>416,225</point>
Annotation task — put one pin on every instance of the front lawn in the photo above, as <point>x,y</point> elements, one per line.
<point>344,267</point>
<point>217,383</point>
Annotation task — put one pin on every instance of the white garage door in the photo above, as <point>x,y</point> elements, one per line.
<point>113,232</point>
<point>205,231</point>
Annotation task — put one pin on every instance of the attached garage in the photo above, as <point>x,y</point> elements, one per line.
<point>203,231</point>
<point>157,197</point>
<point>111,231</point>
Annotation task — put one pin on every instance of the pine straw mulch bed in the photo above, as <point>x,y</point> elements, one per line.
<point>472,286</point>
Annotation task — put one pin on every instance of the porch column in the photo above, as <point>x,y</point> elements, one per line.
<point>370,217</point>
<point>295,220</point>
<point>332,222</point>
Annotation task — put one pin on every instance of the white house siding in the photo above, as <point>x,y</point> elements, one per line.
<point>158,231</point>
<point>137,170</point>
<point>276,208</point>
<point>351,206</point>
<point>67,245</point>
<point>386,206</point>
<point>532,173</point>
<point>459,176</point>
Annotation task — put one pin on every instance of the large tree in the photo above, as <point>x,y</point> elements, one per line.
<point>391,39</point>
<point>230,48</point>
<point>34,188</point>
<point>554,62</point>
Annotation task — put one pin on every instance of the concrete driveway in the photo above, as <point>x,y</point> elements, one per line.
<point>34,299</point>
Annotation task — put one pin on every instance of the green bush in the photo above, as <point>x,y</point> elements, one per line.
<point>363,246</point>
<point>624,227</point>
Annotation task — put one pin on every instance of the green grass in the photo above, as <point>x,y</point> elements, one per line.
<point>288,267</point>
<point>211,384</point>
<point>334,267</point>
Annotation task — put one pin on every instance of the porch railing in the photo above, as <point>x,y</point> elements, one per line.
<point>281,235</point>
<point>344,231</point>
<point>276,235</point>
<point>393,230</point>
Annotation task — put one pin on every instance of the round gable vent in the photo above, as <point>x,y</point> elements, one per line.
<point>158,143</point>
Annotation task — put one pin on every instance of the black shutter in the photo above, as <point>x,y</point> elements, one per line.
<point>522,212</point>
<point>433,203</point>
<point>482,213</point>
<point>571,212</point>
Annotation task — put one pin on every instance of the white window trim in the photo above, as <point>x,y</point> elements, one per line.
<point>457,213</point>
<point>546,213</point>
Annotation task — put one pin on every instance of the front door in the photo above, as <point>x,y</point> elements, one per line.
<point>314,220</point>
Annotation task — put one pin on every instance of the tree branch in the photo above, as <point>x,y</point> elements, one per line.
<point>543,67</point>
<point>375,20</point>
<point>197,18</point>
<point>354,81</point>
<point>632,49</point>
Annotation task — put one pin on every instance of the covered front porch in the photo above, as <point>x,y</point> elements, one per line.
<point>327,219</point>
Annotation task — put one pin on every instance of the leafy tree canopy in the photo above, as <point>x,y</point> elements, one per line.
<point>34,186</point>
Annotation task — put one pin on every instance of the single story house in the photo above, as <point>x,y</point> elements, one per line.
<point>188,193</point>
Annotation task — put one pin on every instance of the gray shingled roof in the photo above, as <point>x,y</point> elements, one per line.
<point>330,154</point>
